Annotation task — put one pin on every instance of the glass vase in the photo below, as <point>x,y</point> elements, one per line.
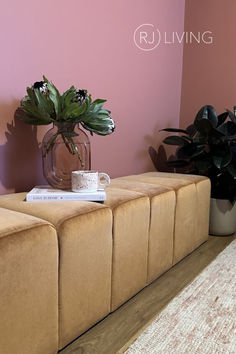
<point>65,148</point>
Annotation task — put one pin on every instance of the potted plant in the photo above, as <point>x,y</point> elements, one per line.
<point>208,147</point>
<point>65,147</point>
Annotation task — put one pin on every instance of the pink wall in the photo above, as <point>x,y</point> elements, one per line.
<point>209,71</point>
<point>89,44</point>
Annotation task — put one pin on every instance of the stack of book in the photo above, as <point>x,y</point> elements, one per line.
<point>49,194</point>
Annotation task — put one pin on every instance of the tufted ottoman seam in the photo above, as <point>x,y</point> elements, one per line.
<point>10,232</point>
<point>60,224</point>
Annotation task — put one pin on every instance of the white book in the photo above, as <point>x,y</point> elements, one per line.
<point>49,194</point>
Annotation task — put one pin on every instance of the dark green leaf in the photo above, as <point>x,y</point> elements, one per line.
<point>231,116</point>
<point>191,150</point>
<point>222,118</point>
<point>207,112</point>
<point>45,79</point>
<point>199,138</point>
<point>175,140</point>
<point>174,130</point>
<point>44,105</point>
<point>191,130</point>
<point>228,129</point>
<point>99,101</point>
<point>93,129</point>
<point>56,98</point>
<point>206,128</point>
<point>203,164</point>
<point>222,161</point>
<point>187,138</point>
<point>232,170</point>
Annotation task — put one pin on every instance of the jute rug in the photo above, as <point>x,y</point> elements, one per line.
<point>201,319</point>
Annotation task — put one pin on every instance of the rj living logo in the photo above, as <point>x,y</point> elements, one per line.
<point>147,37</point>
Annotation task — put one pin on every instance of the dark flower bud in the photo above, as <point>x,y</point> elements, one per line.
<point>111,126</point>
<point>81,95</point>
<point>42,86</point>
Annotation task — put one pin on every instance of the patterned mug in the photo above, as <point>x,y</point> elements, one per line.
<point>89,181</point>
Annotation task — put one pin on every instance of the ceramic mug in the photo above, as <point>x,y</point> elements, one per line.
<point>89,181</point>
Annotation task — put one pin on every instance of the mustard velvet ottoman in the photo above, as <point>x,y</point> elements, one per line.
<point>131,213</point>
<point>161,224</point>
<point>28,285</point>
<point>192,208</point>
<point>85,253</point>
<point>203,191</point>
<point>109,252</point>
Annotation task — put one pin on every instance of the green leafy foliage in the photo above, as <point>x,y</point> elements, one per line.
<point>44,104</point>
<point>208,147</point>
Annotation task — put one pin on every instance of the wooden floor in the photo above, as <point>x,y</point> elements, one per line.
<point>115,333</point>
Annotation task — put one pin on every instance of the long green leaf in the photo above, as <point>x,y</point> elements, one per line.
<point>175,140</point>
<point>174,130</point>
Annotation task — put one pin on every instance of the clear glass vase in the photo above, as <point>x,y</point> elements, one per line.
<point>65,148</point>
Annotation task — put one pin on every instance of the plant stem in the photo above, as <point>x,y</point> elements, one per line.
<point>69,143</point>
<point>50,144</point>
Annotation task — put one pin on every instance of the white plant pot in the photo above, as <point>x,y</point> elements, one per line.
<point>222,217</point>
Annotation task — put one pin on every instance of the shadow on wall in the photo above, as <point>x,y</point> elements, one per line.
<point>159,159</point>
<point>20,157</point>
<point>162,154</point>
<point>158,156</point>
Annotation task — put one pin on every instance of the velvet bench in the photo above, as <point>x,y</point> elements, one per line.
<point>65,265</point>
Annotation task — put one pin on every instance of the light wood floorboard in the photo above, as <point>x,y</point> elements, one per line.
<point>115,333</point>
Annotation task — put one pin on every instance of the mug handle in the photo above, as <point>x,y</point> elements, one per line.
<point>107,180</point>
